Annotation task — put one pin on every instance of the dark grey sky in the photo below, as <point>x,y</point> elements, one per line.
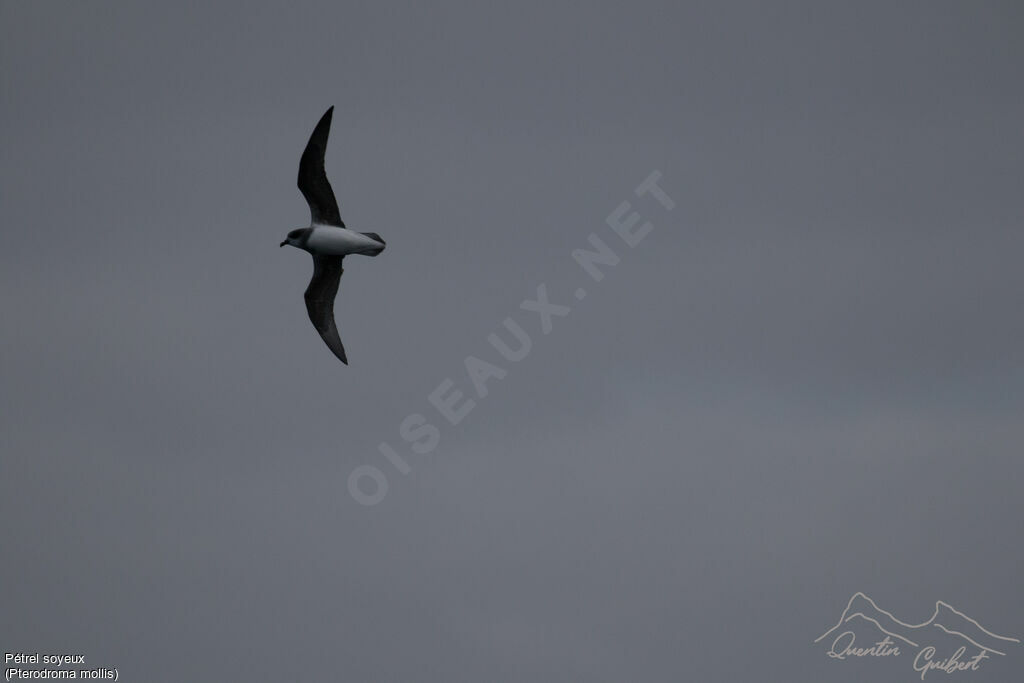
<point>806,381</point>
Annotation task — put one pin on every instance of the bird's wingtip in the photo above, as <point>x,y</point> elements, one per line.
<point>326,118</point>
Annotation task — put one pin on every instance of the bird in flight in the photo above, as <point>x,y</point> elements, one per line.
<point>326,238</point>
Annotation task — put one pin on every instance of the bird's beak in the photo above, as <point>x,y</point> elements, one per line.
<point>283,243</point>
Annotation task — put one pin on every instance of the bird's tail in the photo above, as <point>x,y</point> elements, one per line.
<point>378,238</point>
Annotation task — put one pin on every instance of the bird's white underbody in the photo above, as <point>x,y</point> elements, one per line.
<point>331,240</point>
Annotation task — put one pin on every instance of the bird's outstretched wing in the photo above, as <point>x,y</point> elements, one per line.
<point>319,297</point>
<point>313,181</point>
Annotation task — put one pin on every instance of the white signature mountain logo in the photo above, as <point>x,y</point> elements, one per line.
<point>950,641</point>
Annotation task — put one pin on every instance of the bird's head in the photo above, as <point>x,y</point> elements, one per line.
<point>296,238</point>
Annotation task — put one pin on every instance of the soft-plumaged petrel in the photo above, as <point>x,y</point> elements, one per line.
<point>326,239</point>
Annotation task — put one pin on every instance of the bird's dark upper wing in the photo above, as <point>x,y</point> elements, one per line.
<point>313,181</point>
<point>319,297</point>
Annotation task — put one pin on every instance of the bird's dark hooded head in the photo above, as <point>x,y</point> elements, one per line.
<point>297,238</point>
